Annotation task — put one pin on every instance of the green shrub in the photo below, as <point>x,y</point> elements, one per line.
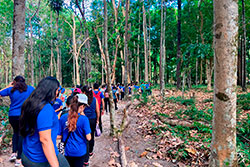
<point>180,100</point>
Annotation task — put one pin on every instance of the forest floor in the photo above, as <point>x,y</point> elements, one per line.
<point>165,132</point>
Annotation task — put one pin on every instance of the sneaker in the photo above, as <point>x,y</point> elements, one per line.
<point>86,164</point>
<point>18,162</point>
<point>12,157</point>
<point>91,154</point>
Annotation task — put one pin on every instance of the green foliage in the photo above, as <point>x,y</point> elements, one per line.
<point>95,76</point>
<point>180,100</point>
<point>243,101</point>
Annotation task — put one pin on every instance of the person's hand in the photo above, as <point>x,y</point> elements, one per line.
<point>10,84</point>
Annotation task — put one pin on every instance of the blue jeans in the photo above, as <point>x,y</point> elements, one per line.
<point>28,163</point>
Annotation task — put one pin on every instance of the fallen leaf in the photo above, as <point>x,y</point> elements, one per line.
<point>157,164</point>
<point>133,164</point>
<point>191,150</point>
<point>127,148</point>
<point>143,154</point>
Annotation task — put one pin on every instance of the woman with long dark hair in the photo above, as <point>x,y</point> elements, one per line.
<point>93,114</point>
<point>18,92</point>
<point>75,129</point>
<point>39,126</point>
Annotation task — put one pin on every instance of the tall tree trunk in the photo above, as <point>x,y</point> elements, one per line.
<point>223,147</point>
<point>51,46</point>
<point>145,42</point>
<point>201,70</point>
<point>162,48</point>
<point>58,73</point>
<point>138,53</point>
<point>209,70</point>
<point>123,66</point>
<point>18,38</point>
<point>178,70</point>
<point>87,45</point>
<point>31,45</point>
<point>149,46</point>
<point>112,113</point>
<point>196,71</point>
<point>243,47</point>
<point>126,48</point>
<point>117,40</point>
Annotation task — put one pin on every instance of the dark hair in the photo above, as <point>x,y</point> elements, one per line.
<point>19,84</point>
<point>96,85</point>
<point>69,100</point>
<point>103,86</point>
<point>44,93</point>
<point>89,93</point>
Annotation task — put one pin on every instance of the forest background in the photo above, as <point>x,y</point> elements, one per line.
<point>61,40</point>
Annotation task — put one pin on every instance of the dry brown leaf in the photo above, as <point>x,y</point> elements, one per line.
<point>191,150</point>
<point>157,164</point>
<point>143,154</point>
<point>127,148</point>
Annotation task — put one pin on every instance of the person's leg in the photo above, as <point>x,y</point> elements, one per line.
<point>14,122</point>
<point>109,104</point>
<point>92,141</point>
<point>106,100</point>
<point>62,161</point>
<point>100,120</point>
<point>115,101</point>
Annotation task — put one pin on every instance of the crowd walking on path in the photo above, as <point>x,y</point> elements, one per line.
<point>43,116</point>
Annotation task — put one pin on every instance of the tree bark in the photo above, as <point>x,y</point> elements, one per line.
<point>243,47</point>
<point>145,42</point>
<point>178,70</point>
<point>51,46</point>
<point>31,45</point>
<point>138,53</point>
<point>149,46</point>
<point>162,49</point>
<point>126,48</point>
<point>108,76</point>
<point>18,67</point>
<point>223,147</point>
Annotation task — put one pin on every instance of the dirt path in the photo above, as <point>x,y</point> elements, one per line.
<point>106,147</point>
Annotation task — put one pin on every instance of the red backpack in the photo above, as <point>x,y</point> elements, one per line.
<point>98,98</point>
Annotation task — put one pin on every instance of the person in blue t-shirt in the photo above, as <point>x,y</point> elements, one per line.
<point>115,97</point>
<point>39,126</point>
<point>75,126</point>
<point>18,92</point>
<point>93,114</point>
<point>58,105</point>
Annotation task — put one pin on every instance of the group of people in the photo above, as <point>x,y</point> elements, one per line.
<point>40,116</point>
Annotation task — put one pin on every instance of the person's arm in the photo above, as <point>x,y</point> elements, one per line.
<point>4,91</point>
<point>97,112</point>
<point>103,106</point>
<point>48,147</point>
<point>59,137</point>
<point>88,136</point>
<point>59,109</point>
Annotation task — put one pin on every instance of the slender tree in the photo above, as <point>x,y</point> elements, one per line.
<point>18,38</point>
<point>178,70</point>
<point>243,47</point>
<point>223,147</point>
<point>145,41</point>
<point>162,48</point>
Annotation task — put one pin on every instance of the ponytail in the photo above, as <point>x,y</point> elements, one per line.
<point>73,114</point>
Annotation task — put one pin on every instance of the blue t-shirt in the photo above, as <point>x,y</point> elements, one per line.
<point>136,87</point>
<point>90,111</point>
<point>101,95</point>
<point>32,147</point>
<point>57,104</point>
<point>76,144</point>
<point>147,86</point>
<point>114,92</point>
<point>16,99</point>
